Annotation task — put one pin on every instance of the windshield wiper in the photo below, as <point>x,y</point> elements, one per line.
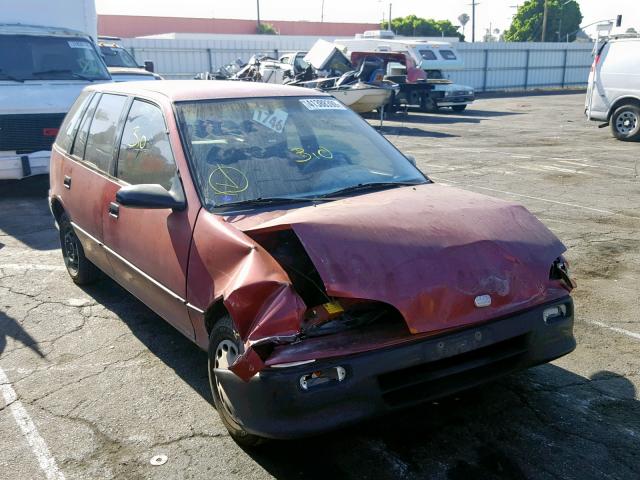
<point>268,201</point>
<point>361,187</point>
<point>74,74</point>
<point>10,77</point>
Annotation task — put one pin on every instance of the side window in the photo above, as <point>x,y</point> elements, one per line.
<point>427,54</point>
<point>103,132</point>
<point>145,153</point>
<point>81,137</point>
<point>448,54</point>
<point>71,120</point>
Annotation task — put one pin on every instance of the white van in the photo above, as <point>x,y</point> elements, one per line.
<point>43,68</point>
<point>613,93</point>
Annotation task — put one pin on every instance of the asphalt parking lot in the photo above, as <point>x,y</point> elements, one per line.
<point>94,384</point>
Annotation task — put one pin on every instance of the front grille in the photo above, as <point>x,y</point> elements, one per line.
<point>26,133</point>
<point>439,378</point>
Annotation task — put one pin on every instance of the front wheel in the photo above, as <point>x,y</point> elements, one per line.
<point>80,268</point>
<point>625,123</point>
<point>224,347</point>
<point>458,108</point>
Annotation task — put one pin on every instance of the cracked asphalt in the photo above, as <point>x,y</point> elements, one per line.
<point>108,384</point>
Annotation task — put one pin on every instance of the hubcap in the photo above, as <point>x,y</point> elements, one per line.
<point>71,258</point>
<point>226,354</point>
<point>626,122</point>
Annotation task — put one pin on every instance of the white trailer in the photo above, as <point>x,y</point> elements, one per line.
<point>434,57</point>
<point>47,56</point>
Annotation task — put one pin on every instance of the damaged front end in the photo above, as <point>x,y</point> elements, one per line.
<point>320,315</point>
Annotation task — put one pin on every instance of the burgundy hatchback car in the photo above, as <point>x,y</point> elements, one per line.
<point>326,276</point>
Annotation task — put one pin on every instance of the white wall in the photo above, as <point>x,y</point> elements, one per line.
<point>488,66</point>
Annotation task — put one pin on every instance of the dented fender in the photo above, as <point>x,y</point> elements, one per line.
<point>225,264</point>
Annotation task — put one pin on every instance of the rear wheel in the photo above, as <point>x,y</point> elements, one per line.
<point>80,269</point>
<point>458,108</point>
<point>224,347</point>
<point>625,123</point>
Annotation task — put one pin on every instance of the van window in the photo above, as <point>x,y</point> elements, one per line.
<point>427,54</point>
<point>81,137</point>
<point>117,57</point>
<point>103,132</point>
<point>39,57</point>
<point>145,153</point>
<point>70,124</point>
<point>448,54</point>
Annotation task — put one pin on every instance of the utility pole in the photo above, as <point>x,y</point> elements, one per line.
<point>322,13</point>
<point>258,4</point>
<point>544,21</point>
<point>390,16</point>
<point>473,20</point>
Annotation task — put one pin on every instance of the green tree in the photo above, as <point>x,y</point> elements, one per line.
<point>562,19</point>
<point>412,26</point>
<point>267,29</point>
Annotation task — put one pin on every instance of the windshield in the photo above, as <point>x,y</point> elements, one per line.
<point>117,57</point>
<point>28,57</point>
<point>286,148</point>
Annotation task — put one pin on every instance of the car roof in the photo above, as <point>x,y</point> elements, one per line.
<point>185,90</point>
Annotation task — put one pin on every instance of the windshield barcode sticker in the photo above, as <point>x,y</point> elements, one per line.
<point>322,104</point>
<point>275,121</point>
<point>75,44</point>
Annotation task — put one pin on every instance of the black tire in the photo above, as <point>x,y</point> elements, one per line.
<point>458,108</point>
<point>80,268</point>
<point>224,334</point>
<point>625,123</point>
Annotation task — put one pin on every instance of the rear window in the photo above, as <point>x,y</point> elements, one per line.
<point>448,54</point>
<point>427,54</point>
<point>103,132</point>
<point>70,125</point>
<point>81,137</point>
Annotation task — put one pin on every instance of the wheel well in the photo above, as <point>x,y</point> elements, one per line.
<point>214,313</point>
<point>56,209</point>
<point>623,101</point>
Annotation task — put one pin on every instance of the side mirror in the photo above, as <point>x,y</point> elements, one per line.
<point>148,66</point>
<point>149,195</point>
<point>412,159</point>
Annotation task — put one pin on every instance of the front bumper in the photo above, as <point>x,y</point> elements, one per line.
<point>16,166</point>
<point>273,403</point>
<point>455,100</point>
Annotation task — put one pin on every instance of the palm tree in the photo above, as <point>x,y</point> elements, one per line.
<point>463,19</point>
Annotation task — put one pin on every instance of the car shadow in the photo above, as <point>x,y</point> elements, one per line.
<point>542,423</point>
<point>164,341</point>
<point>25,214</point>
<point>11,328</point>
<point>411,132</point>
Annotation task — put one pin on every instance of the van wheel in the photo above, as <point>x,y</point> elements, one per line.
<point>224,347</point>
<point>80,269</point>
<point>625,123</point>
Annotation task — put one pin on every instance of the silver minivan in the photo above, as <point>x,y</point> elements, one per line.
<point>613,93</point>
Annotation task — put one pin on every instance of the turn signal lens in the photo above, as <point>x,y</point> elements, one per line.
<point>323,377</point>
<point>555,313</point>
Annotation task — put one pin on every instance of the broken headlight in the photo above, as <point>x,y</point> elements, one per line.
<point>560,271</point>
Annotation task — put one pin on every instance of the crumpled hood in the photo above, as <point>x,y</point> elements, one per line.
<point>428,250</point>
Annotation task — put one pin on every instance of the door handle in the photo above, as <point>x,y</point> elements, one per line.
<point>114,210</point>
<point>67,182</point>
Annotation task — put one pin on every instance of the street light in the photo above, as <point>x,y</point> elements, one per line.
<point>560,21</point>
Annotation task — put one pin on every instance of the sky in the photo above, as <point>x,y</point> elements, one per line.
<point>494,13</point>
